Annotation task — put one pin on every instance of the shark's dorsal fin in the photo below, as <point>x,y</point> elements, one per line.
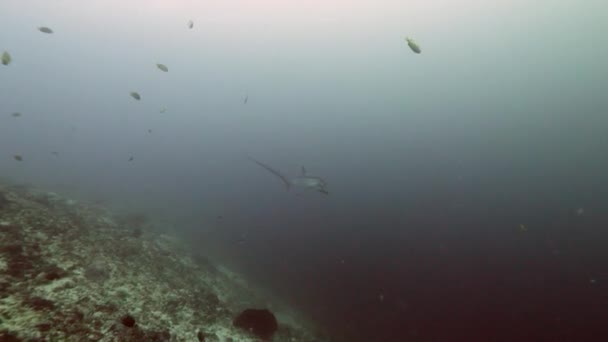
<point>303,171</point>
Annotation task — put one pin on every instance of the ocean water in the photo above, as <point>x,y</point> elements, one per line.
<point>467,187</point>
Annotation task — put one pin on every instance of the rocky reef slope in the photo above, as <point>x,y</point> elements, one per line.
<point>70,271</point>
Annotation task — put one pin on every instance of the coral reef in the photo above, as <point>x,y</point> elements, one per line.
<point>70,271</point>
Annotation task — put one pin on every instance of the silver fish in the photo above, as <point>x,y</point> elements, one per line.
<point>45,29</point>
<point>135,95</point>
<point>6,58</point>
<point>412,44</point>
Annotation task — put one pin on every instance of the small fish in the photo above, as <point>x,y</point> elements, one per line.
<point>412,44</point>
<point>55,153</point>
<point>131,158</point>
<point>16,114</point>
<point>149,131</point>
<point>45,29</point>
<point>219,217</point>
<point>190,24</point>
<point>6,58</point>
<point>135,95</point>
<point>162,110</point>
<point>242,239</point>
<point>523,228</point>
<point>246,99</point>
<point>18,157</point>
<point>162,67</point>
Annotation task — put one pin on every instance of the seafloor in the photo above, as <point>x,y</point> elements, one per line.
<point>73,271</point>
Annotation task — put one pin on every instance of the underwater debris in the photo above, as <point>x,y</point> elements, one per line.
<point>135,95</point>
<point>42,327</point>
<point>18,157</point>
<point>260,322</point>
<point>54,272</point>
<point>40,304</point>
<point>412,44</point>
<point>6,58</point>
<point>45,29</point>
<point>162,67</point>
<point>8,336</point>
<point>128,321</point>
<point>190,24</point>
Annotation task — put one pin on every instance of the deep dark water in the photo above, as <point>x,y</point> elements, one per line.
<point>455,175</point>
<point>451,264</point>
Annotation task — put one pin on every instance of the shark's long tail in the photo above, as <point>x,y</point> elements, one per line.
<point>273,171</point>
